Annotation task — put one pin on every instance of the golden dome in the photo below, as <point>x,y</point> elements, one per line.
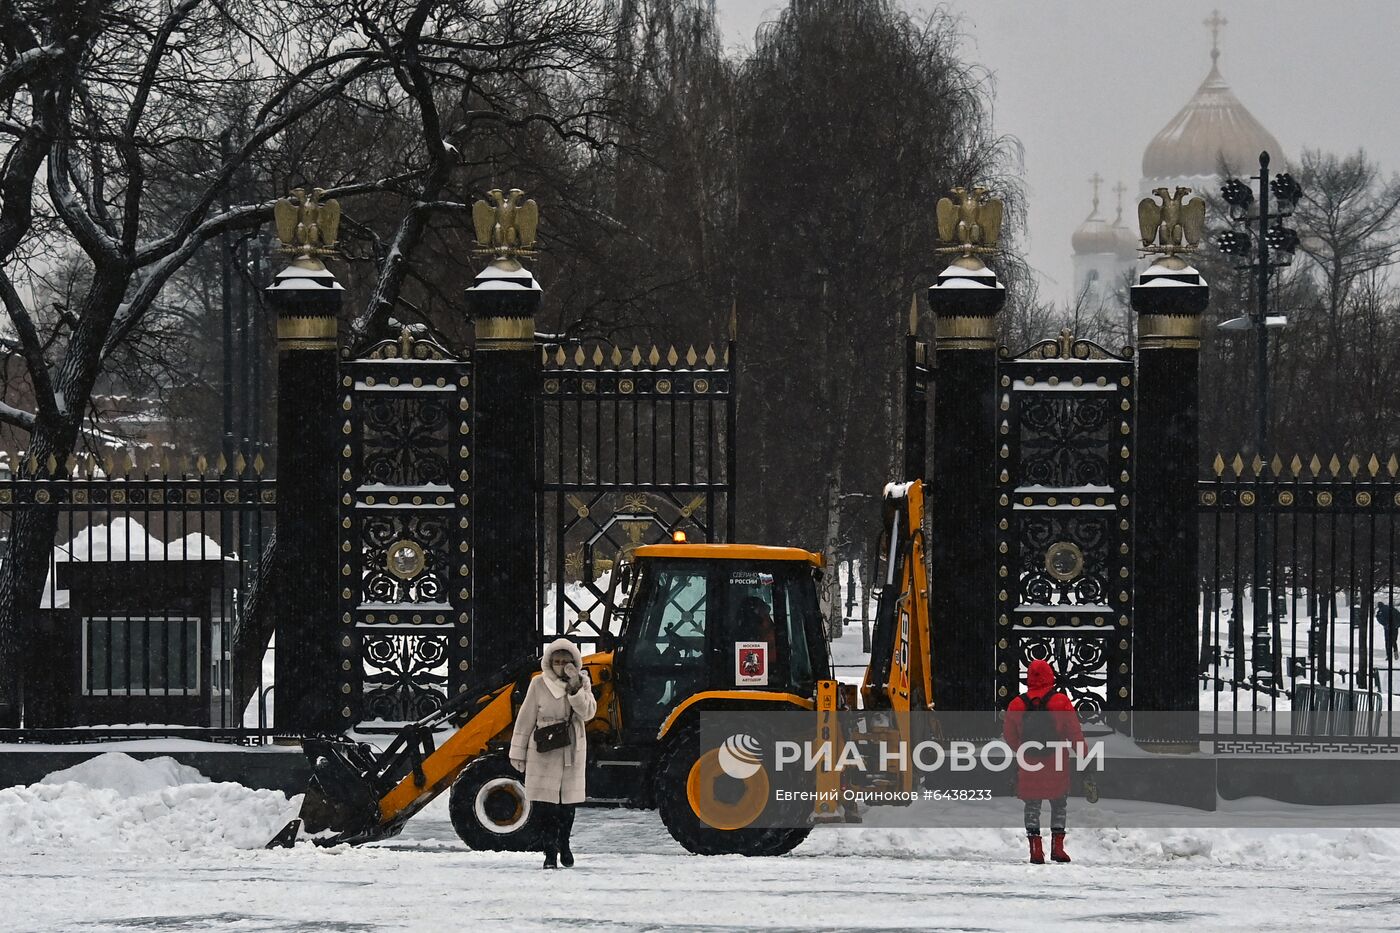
<point>1213,127</point>
<point>1096,235</point>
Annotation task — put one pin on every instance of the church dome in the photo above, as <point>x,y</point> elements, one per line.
<point>1213,126</point>
<point>1094,235</point>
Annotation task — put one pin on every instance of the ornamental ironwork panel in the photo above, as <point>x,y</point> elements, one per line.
<point>1064,529</point>
<point>405,530</point>
<point>635,446</point>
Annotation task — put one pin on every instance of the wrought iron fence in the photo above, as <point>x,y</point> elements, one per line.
<point>148,584</point>
<point>635,445</point>
<point>1299,583</point>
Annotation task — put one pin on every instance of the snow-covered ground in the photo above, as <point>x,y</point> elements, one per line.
<point>115,844</point>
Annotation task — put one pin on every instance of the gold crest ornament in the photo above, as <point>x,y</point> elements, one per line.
<point>1174,226</point>
<point>505,229</point>
<point>970,222</point>
<point>307,226</point>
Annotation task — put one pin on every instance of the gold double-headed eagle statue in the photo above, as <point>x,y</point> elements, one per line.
<point>505,229</point>
<point>969,221</point>
<point>307,225</point>
<point>1174,226</point>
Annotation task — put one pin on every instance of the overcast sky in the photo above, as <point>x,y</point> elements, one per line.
<point>1086,84</point>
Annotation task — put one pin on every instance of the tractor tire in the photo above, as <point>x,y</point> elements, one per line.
<point>677,773</point>
<point>488,807</point>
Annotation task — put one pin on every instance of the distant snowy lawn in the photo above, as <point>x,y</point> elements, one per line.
<point>117,844</point>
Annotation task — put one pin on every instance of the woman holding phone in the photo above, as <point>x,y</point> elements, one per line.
<point>550,744</point>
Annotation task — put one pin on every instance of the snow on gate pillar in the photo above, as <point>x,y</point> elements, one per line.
<point>307,298</point>
<point>503,302</point>
<point>965,301</point>
<point>1169,299</point>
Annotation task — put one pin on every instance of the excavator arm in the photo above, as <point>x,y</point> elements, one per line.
<point>899,675</point>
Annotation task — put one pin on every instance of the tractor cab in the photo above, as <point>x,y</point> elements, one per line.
<point>705,617</point>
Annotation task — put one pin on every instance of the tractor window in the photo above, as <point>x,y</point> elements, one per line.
<point>666,659</point>
<point>797,635</point>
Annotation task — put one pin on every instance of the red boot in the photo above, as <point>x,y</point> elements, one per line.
<point>1057,847</point>
<point>1037,850</point>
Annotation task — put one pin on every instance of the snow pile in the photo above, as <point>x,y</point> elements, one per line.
<point>114,802</point>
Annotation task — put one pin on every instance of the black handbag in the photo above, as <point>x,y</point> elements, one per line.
<point>553,736</point>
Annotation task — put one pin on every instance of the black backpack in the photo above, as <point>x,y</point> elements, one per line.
<point>1037,722</point>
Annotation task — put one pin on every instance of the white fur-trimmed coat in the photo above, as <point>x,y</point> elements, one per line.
<point>557,776</point>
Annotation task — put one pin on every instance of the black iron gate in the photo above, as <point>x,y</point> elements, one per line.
<point>636,445</point>
<point>405,534</point>
<point>1065,522</point>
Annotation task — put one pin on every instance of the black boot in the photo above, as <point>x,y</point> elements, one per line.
<point>566,826</point>
<point>549,818</point>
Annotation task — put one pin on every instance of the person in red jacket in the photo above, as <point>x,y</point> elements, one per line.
<point>1043,715</point>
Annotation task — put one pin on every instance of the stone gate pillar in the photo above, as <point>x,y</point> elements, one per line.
<point>506,504</point>
<point>307,298</point>
<point>963,486</point>
<point>1169,299</point>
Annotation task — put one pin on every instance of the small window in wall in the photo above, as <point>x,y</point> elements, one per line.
<point>139,655</point>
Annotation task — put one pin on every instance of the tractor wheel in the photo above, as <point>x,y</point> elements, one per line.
<point>489,810</point>
<point>730,806</point>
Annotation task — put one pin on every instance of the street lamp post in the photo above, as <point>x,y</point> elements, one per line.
<point>1275,248</point>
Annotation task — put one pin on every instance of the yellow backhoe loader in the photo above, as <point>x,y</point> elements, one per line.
<point>704,627</point>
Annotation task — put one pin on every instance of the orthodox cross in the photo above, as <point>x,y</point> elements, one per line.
<point>1215,22</point>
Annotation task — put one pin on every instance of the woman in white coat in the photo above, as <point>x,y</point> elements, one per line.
<point>554,780</point>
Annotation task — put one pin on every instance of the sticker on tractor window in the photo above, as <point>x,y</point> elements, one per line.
<point>751,663</point>
<point>749,578</point>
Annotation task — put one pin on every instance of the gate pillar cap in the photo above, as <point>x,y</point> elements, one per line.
<point>966,291</point>
<point>1170,286</point>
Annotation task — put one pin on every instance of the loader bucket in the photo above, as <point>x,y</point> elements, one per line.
<point>339,796</point>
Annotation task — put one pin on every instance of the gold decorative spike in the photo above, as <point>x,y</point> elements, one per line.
<point>1174,226</point>
<point>726,355</point>
<point>1392,466</point>
<point>615,360</point>
<point>109,463</point>
<point>222,465</point>
<point>1276,465</point>
<point>1219,464</point>
<point>184,465</point>
<point>710,355</point>
<point>506,229</point>
<point>560,357</point>
<point>307,225</point>
<point>1238,465</point>
<point>691,357</point>
<point>969,222</point>
<point>597,357</point>
<point>654,357</point>
<point>913,315</point>
<point>239,464</point>
<point>52,464</point>
<point>1315,465</point>
<point>544,356</point>
<point>636,356</point>
<point>1335,466</point>
<point>1296,466</point>
<point>202,464</point>
<point>1354,466</point>
<point>1257,465</point>
<point>1374,466</point>
<point>672,358</point>
<point>130,466</point>
<point>258,463</point>
<point>578,355</point>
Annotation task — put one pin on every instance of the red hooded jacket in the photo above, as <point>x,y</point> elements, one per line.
<point>1052,779</point>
